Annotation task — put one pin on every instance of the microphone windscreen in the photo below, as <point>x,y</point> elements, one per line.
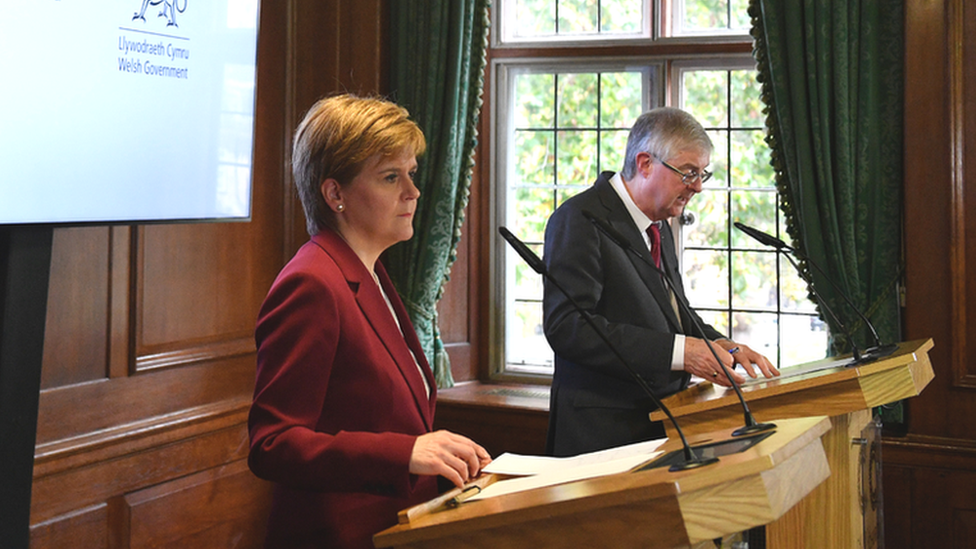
<point>524,252</point>
<point>762,237</point>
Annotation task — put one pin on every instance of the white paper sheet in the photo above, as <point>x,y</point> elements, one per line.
<point>800,369</point>
<point>563,475</point>
<point>541,471</point>
<point>517,464</point>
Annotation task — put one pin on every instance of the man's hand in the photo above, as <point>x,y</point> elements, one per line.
<point>748,358</point>
<point>700,362</point>
<point>454,457</point>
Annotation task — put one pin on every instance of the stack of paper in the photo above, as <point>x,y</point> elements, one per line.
<point>540,471</point>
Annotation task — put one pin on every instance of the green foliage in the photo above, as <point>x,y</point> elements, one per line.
<point>620,99</point>
<point>716,15</point>
<point>541,18</point>
<point>569,127</point>
<point>705,96</point>
<point>534,108</point>
<point>577,99</point>
<point>620,16</point>
<point>706,15</point>
<point>535,17</point>
<point>743,189</point>
<point>578,16</point>
<point>747,105</point>
<point>534,157</point>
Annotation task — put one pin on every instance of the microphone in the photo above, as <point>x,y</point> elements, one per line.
<point>691,460</point>
<point>764,238</point>
<point>873,353</point>
<point>751,425</point>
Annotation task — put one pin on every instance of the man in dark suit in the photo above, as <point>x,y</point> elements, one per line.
<point>595,402</point>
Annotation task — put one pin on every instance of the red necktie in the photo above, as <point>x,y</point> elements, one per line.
<point>654,233</point>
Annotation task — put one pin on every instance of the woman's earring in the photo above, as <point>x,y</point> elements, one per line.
<point>340,207</point>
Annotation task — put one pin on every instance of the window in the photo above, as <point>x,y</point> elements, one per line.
<point>727,274</point>
<point>570,77</point>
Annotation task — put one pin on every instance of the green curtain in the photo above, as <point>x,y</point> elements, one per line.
<point>438,56</point>
<point>831,74</point>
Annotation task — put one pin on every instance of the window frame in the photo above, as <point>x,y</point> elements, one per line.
<point>591,55</point>
<point>504,73</point>
<point>652,32</point>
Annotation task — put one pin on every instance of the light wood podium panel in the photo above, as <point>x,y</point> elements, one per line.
<point>832,515</point>
<point>646,509</point>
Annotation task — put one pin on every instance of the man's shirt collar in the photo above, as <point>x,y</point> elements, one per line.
<point>640,219</point>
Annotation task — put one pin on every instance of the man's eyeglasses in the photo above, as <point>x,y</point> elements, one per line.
<point>691,176</point>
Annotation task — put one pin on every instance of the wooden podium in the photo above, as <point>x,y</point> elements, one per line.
<point>652,508</point>
<point>832,516</point>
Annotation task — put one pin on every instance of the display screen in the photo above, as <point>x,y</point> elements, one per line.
<point>126,111</point>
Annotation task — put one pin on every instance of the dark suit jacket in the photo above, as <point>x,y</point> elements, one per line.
<point>338,403</point>
<point>595,402</point>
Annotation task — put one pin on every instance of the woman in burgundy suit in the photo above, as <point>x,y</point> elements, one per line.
<point>343,407</point>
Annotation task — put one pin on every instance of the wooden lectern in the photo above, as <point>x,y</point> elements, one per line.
<point>832,516</point>
<point>646,508</point>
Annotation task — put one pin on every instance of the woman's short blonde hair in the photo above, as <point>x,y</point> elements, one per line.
<point>335,139</point>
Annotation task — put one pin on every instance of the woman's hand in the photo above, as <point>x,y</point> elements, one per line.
<point>452,456</point>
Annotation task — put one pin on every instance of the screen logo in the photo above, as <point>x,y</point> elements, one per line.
<point>169,10</point>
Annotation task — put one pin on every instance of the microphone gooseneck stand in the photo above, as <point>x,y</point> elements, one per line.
<point>691,460</point>
<point>751,425</point>
<point>872,353</point>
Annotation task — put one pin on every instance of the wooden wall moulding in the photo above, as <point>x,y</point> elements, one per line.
<point>191,355</point>
<point>197,293</point>
<point>79,410</point>
<point>929,451</point>
<point>86,527</point>
<point>962,105</point>
<point>220,507</point>
<point>89,470</point>
<point>116,442</point>
<point>223,506</point>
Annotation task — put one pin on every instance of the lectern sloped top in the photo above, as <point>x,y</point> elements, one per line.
<point>652,508</point>
<point>830,391</point>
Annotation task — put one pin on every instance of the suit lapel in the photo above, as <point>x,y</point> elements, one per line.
<point>377,313</point>
<point>617,216</point>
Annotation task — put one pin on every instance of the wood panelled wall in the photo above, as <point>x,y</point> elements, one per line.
<point>149,355</point>
<point>930,475</point>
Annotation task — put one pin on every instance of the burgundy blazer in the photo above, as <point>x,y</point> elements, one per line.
<point>338,401</point>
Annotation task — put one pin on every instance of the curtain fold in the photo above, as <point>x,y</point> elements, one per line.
<point>438,57</point>
<point>831,73</point>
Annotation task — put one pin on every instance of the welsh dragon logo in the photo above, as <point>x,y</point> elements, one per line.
<point>169,11</point>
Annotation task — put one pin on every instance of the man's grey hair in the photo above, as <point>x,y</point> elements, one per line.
<point>664,132</point>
